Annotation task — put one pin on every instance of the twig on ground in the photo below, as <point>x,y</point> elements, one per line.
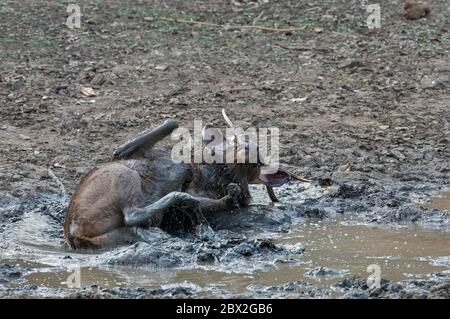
<point>301,48</point>
<point>226,27</point>
<point>310,9</point>
<point>257,18</point>
<point>298,48</point>
<point>299,178</point>
<point>57,181</point>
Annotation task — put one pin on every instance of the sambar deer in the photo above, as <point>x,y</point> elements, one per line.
<point>113,203</point>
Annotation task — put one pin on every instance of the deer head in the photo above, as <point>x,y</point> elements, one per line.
<point>247,162</point>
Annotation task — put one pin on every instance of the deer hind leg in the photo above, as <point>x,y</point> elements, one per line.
<point>127,235</point>
<point>113,238</point>
<point>145,140</point>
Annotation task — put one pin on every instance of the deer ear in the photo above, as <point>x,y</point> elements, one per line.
<point>276,179</point>
<point>212,137</point>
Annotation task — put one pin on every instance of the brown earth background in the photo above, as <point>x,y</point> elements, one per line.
<point>378,99</point>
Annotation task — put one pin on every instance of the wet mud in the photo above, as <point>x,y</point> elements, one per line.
<point>314,244</point>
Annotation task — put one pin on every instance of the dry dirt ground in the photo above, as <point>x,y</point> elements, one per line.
<point>339,92</point>
<point>378,99</point>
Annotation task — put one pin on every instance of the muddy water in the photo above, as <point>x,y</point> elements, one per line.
<point>441,201</point>
<point>400,253</point>
<point>341,244</point>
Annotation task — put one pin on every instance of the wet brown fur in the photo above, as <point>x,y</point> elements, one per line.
<point>100,198</point>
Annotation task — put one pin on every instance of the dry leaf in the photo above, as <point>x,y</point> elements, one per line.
<point>225,88</point>
<point>98,117</point>
<point>299,99</point>
<point>89,92</point>
<point>416,10</point>
<point>161,67</point>
<point>345,168</point>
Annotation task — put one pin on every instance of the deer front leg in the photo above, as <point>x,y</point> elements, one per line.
<point>151,214</point>
<point>135,216</point>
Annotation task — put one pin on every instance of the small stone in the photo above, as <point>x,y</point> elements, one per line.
<point>434,83</point>
<point>318,30</point>
<point>24,137</point>
<point>397,155</point>
<point>206,258</point>
<point>98,80</point>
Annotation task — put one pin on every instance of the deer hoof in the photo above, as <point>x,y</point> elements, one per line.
<point>233,190</point>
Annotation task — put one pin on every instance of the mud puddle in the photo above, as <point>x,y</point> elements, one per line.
<point>349,247</point>
<point>334,249</point>
<point>310,245</point>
